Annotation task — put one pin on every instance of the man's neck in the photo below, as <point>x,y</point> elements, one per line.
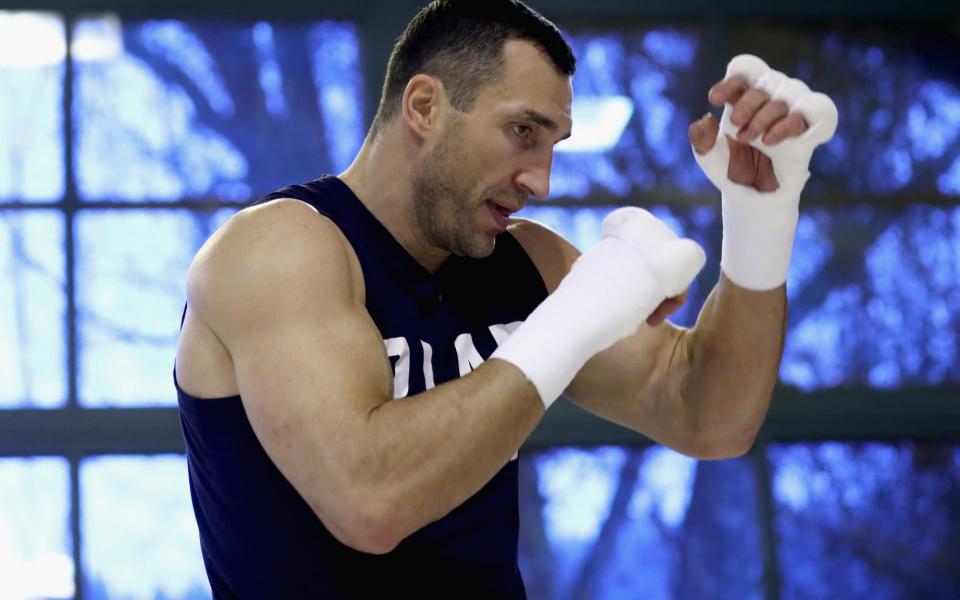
<point>380,176</point>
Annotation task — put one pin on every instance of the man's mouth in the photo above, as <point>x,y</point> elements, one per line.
<point>501,214</point>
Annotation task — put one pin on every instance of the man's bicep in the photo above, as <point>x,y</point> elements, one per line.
<point>308,359</point>
<point>311,377</point>
<point>307,388</point>
<point>634,382</point>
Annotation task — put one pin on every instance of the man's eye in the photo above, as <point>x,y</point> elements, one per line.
<point>522,130</point>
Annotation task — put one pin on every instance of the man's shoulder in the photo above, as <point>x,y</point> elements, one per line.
<point>280,223</point>
<point>261,250</point>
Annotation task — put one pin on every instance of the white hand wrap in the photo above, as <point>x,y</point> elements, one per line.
<point>608,293</point>
<point>758,227</point>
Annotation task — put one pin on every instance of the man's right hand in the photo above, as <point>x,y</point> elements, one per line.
<point>637,265</point>
<point>611,289</point>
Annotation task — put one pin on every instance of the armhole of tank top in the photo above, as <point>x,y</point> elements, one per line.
<point>347,239</point>
<point>532,266</point>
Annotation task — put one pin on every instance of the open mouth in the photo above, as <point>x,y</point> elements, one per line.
<point>501,214</point>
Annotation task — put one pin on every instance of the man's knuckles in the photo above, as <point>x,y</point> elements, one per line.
<point>747,66</point>
<point>789,91</point>
<point>674,261</point>
<point>676,264</point>
<point>812,117</point>
<point>820,113</point>
<point>638,228</point>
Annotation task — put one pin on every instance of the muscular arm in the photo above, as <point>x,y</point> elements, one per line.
<point>702,391</point>
<point>732,356</point>
<point>705,391</point>
<point>283,290</point>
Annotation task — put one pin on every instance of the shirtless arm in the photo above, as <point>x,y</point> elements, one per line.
<point>283,291</point>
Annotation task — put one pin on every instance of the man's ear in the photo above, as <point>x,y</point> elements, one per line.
<point>424,99</point>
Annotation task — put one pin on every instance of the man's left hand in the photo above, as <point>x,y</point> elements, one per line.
<point>772,124</point>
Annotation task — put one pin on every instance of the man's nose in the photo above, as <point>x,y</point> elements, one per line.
<point>535,178</point>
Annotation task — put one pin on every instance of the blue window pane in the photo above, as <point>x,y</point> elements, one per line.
<point>616,522</point>
<point>36,558</point>
<point>32,51</point>
<point>635,94</point>
<point>140,539</point>
<point>32,306</point>
<point>204,109</point>
<point>874,298</point>
<point>131,271</point>
<point>898,94</point>
<point>871,520</point>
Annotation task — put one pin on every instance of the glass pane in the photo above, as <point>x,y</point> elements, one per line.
<point>131,271</point>
<point>210,109</point>
<point>874,298</point>
<point>32,51</point>
<point>869,520</point>
<point>140,540</point>
<point>635,94</point>
<point>898,94</point>
<point>36,556</point>
<point>32,307</point>
<point>615,522</point>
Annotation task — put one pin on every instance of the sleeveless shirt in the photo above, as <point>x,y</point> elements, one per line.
<point>260,539</point>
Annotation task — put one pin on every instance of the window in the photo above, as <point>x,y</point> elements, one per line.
<point>139,534</point>
<point>175,124</point>
<point>872,519</point>
<point>608,522</point>
<point>177,102</point>
<point>635,93</point>
<point>32,307</point>
<point>131,286</point>
<point>31,124</point>
<point>35,541</point>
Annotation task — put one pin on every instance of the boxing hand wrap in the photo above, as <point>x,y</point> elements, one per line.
<point>758,227</point>
<point>608,293</point>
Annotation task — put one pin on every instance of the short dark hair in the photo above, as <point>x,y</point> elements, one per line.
<point>461,43</point>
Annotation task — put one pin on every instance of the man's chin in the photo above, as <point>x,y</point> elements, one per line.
<point>480,247</point>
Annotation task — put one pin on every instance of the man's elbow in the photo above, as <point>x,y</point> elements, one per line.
<point>719,441</point>
<point>720,447</point>
<point>370,525</point>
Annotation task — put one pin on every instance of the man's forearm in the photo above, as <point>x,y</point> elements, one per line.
<point>758,157</point>
<point>733,358</point>
<point>427,453</point>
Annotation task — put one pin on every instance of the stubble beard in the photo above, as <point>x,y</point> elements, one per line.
<point>445,203</point>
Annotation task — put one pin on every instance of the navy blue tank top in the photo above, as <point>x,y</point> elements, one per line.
<point>260,539</point>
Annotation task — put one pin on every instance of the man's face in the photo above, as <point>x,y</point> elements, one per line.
<point>488,161</point>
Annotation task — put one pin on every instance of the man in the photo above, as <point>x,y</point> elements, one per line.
<point>346,436</point>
